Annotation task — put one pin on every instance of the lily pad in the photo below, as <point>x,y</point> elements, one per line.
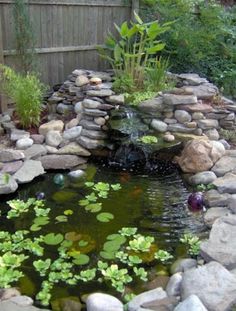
<point>82,259</point>
<point>83,243</point>
<point>94,207</point>
<point>83,202</point>
<point>53,239</point>
<point>68,212</point>
<point>105,217</point>
<point>40,221</point>
<point>111,246</point>
<point>35,228</point>
<point>72,236</point>
<point>107,255</point>
<point>61,218</point>
<point>116,237</point>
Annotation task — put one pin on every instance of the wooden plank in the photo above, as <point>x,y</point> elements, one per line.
<point>3,101</point>
<point>134,8</point>
<point>117,3</point>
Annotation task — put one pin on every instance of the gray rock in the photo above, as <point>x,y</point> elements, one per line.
<point>54,99</point>
<point>24,143</point>
<point>213,284</point>
<point>232,203</point>
<point>90,125</point>
<point>197,116</point>
<point>173,286</point>
<point>64,109</point>
<point>100,121</point>
<point>192,78</point>
<point>8,126</point>
<point>221,245</point>
<point>180,128</point>
<point>78,107</point>
<point>72,123</point>
<point>11,306</point>
<point>35,151</point>
<point>94,134</point>
<point>224,165</point>
<point>164,304</point>
<point>204,178</point>
<point>214,213</point>
<point>72,133</point>
<point>37,138</point>
<point>168,138</point>
<point>7,293</point>
<point>170,121</point>
<point>11,167</point>
<point>51,150</point>
<point>8,155</point>
<point>29,170</point>
<point>100,93</point>
<point>192,303</point>
<point>23,301</point>
<point>103,302</point>
<point>81,80</point>
<point>57,162</point>
<point>53,138</point>
<point>74,149</point>
<point>159,126</point>
<point>204,91</point>
<point>213,198</point>
<point>226,184</point>
<point>91,104</point>
<point>95,112</point>
<point>173,100</point>
<point>225,143</point>
<point>230,117</point>
<point>18,134</point>
<point>54,125</point>
<point>152,105</point>
<point>182,265</point>
<point>116,99</point>
<point>146,297</point>
<point>5,118</point>
<point>89,143</point>
<point>79,72</point>
<point>7,184</point>
<point>212,134</point>
<point>208,124</point>
<point>104,76</point>
<point>182,116</point>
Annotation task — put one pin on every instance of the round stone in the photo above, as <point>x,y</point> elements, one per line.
<point>182,116</point>
<point>168,137</point>
<point>159,126</point>
<point>212,134</point>
<point>103,302</point>
<point>64,109</point>
<point>78,107</point>
<point>95,80</point>
<point>197,116</point>
<point>100,121</point>
<point>24,143</point>
<point>53,138</point>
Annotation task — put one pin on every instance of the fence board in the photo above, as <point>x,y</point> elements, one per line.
<point>67,33</point>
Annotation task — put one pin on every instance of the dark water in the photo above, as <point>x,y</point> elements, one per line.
<point>155,203</point>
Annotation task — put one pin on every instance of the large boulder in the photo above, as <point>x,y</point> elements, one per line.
<point>60,162</point>
<point>8,155</point>
<point>214,285</point>
<point>54,125</point>
<point>221,245</point>
<point>200,155</point>
<point>103,302</point>
<point>226,184</point>
<point>29,170</point>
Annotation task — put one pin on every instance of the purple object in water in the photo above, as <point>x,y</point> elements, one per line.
<point>40,195</point>
<point>195,202</point>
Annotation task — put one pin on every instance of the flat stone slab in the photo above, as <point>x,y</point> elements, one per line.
<point>8,155</point>
<point>213,198</point>
<point>173,100</point>
<point>205,91</point>
<point>89,143</point>
<point>11,306</point>
<point>215,213</point>
<point>74,149</point>
<point>214,285</point>
<point>29,170</point>
<point>221,245</point>
<point>152,105</point>
<point>204,178</point>
<point>199,107</point>
<point>35,151</point>
<point>178,127</point>
<point>226,184</point>
<point>192,303</point>
<point>11,167</point>
<point>224,165</point>
<point>100,93</point>
<point>57,162</point>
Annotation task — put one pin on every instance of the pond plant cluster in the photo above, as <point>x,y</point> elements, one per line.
<point>69,257</point>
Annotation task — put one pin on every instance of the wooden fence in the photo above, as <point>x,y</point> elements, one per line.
<point>66,33</point>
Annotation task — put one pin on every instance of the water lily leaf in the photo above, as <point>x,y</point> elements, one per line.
<point>53,239</point>
<point>94,207</point>
<point>66,244</point>
<point>61,218</point>
<point>91,197</point>
<point>89,184</point>
<point>84,202</point>
<point>68,212</point>
<point>107,255</point>
<point>35,227</point>
<point>103,194</point>
<point>40,221</point>
<point>83,243</point>
<point>105,217</point>
<point>72,236</point>
<point>116,187</point>
<point>111,246</point>
<point>82,259</point>
<point>116,237</point>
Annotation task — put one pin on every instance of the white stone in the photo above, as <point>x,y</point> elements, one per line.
<point>103,302</point>
<point>24,143</point>
<point>53,138</point>
<point>159,126</point>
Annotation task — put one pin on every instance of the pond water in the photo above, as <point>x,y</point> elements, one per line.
<point>154,203</point>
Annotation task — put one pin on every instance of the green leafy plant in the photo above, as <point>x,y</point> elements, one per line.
<point>163,255</point>
<point>148,139</point>
<point>192,242</point>
<point>18,207</point>
<point>137,97</point>
<point>203,187</point>
<point>130,54</point>
<point>27,93</point>
<point>140,243</point>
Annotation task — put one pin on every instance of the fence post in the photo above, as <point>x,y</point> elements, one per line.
<point>3,101</point>
<point>134,7</point>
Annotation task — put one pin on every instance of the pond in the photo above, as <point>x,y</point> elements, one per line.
<point>86,217</point>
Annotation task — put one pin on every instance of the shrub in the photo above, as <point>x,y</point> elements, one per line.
<point>202,38</point>
<point>27,93</point>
